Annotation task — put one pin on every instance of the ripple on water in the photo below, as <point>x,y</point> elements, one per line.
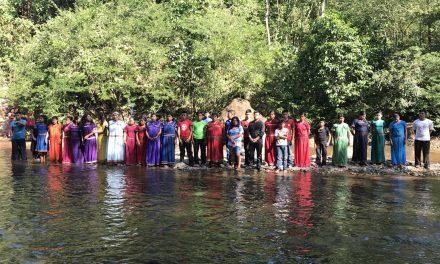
<point>99,214</point>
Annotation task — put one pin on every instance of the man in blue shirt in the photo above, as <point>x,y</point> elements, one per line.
<point>18,139</point>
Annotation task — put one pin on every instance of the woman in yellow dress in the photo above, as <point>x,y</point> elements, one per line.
<point>102,137</point>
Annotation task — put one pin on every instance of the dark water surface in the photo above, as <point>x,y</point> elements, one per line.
<point>90,214</point>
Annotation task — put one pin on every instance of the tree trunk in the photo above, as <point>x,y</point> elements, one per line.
<point>429,35</point>
<point>267,22</point>
<point>322,8</point>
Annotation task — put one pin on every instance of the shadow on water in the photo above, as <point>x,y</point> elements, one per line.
<point>100,214</point>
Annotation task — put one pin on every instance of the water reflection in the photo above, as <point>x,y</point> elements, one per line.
<point>57,214</point>
<point>302,202</point>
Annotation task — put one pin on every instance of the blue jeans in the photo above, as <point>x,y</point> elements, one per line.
<point>290,154</point>
<point>282,153</point>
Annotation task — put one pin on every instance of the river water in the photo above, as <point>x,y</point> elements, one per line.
<point>99,214</point>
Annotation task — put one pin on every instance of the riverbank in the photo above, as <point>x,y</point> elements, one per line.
<point>370,169</point>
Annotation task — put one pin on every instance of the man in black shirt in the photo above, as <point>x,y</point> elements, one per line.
<point>322,140</point>
<point>256,133</point>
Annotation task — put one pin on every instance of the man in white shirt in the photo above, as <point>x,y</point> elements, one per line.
<point>423,128</point>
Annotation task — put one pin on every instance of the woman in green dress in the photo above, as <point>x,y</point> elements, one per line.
<point>341,135</point>
<point>378,143</point>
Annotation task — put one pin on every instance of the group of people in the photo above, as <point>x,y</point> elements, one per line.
<point>152,140</point>
<point>398,135</point>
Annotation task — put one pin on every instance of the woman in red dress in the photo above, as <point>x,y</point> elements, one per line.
<point>214,135</point>
<point>67,152</point>
<point>269,145</point>
<point>130,142</point>
<point>141,143</point>
<point>302,153</point>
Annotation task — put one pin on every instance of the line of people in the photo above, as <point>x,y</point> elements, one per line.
<point>152,141</point>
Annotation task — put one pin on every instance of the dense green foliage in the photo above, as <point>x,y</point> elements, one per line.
<point>13,32</point>
<point>311,56</point>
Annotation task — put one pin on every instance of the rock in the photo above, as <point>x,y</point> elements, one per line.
<point>239,106</point>
<point>181,166</point>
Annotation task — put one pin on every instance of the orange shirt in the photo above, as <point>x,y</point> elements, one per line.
<point>55,130</point>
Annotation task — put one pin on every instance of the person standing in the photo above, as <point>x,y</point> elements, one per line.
<point>270,143</point>
<point>360,142</point>
<point>228,124</point>
<point>302,152</point>
<point>281,134</point>
<point>34,135</point>
<point>115,143</point>
<point>378,142</point>
<point>184,134</point>
<point>199,139</point>
<point>246,141</point>
<point>398,138</point>
<point>290,125</point>
<point>214,135</point>
<point>42,137</point>
<point>102,127</point>
<point>67,153</point>
<point>141,142</point>
<point>76,140</point>
<point>207,118</point>
<point>322,141</point>
<point>153,132</point>
<point>11,117</point>
<point>341,136</point>
<point>18,137</point>
<point>423,128</point>
<point>235,134</point>
<point>55,140</point>
<point>130,142</point>
<point>167,152</point>
<point>90,133</point>
<point>30,122</point>
<point>256,132</point>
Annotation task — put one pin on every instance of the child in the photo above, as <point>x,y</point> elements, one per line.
<point>281,144</point>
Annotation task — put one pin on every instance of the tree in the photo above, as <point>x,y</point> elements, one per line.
<point>332,69</point>
<point>396,88</point>
<point>13,32</point>
<point>153,57</point>
<point>89,58</point>
<point>430,81</point>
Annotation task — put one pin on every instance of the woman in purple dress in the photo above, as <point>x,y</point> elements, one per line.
<point>90,133</point>
<point>153,132</point>
<point>76,145</point>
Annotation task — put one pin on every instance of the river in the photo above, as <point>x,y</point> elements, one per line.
<point>100,214</point>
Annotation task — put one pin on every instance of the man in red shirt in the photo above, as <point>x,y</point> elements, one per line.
<point>184,135</point>
<point>290,125</point>
<point>246,140</point>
